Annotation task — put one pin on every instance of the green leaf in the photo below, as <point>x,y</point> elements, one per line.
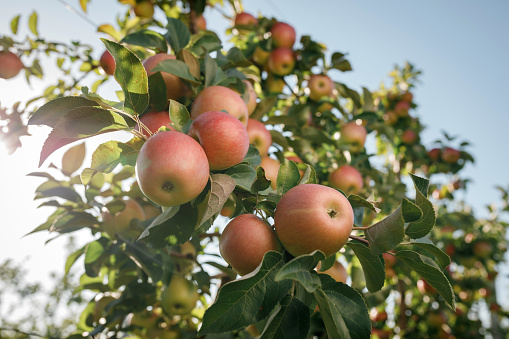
<point>146,38</point>
<point>410,211</point>
<point>211,71</point>
<point>327,263</point>
<point>221,187</point>
<point>73,159</point>
<point>178,35</point>
<point>253,156</point>
<point>179,115</point>
<point>94,253</point>
<point>191,61</point>
<point>236,58</point>
<point>112,153</point>
<point>288,176</point>
<point>157,91</point>
<point>81,123</point>
<point>243,174</point>
<point>373,266</point>
<point>131,76</point>
<point>387,233</point>
<point>291,320</point>
<point>263,107</point>
<point>147,259</point>
<point>299,269</point>
<point>32,23</point>
<point>205,42</point>
<point>339,62</point>
<point>14,24</point>
<point>247,300</point>
<point>261,183</point>
<point>368,100</point>
<point>178,68</point>
<point>424,225</point>
<point>71,259</point>
<point>343,310</point>
<point>53,110</point>
<point>431,273</point>
<point>66,193</point>
<point>442,258</point>
<point>309,176</point>
<point>72,221</point>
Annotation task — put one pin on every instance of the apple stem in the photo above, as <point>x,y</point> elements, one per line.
<point>134,117</point>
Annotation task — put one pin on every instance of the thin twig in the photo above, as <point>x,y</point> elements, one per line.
<point>360,239</point>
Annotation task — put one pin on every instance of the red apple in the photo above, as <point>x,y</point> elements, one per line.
<point>283,35</point>
<point>424,287</point>
<point>450,155</point>
<point>378,316</point>
<point>346,178</point>
<point>434,154</point>
<point>172,168</point>
<point>450,249</point>
<point>223,137</point>
<point>281,61</point>
<point>219,98</point>
<point>483,249</point>
<point>200,23</point>
<point>154,121</point>
<point>407,96</point>
<point>107,63</point>
<point>337,272</point>
<point>274,84</point>
<point>355,135</point>
<point>402,108</point>
<point>271,168</point>
<point>175,88</point>
<point>245,19</point>
<point>119,223</point>
<point>10,65</point>
<point>251,104</point>
<point>313,217</point>
<point>144,9</point>
<point>228,208</point>
<point>320,86</point>
<point>244,242</point>
<point>390,260</point>
<point>259,136</point>
<point>409,137</point>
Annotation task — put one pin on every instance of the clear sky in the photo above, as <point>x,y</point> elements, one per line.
<point>461,47</point>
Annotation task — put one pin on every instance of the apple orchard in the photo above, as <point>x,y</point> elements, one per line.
<point>245,203</point>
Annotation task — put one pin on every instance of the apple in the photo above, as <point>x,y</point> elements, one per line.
<point>355,135</point>
<point>223,137</point>
<point>274,84</point>
<point>346,178</point>
<point>389,259</point>
<point>180,296</point>
<point>281,61</point>
<point>259,136</point>
<point>171,168</point>
<point>378,316</point>
<point>434,154</point>
<point>251,104</point>
<point>144,9</point>
<point>377,333</point>
<point>228,208</point>
<point>424,287</point>
<point>320,85</point>
<point>313,217</point>
<point>336,272</point>
<point>391,117</point>
<point>483,249</point>
<point>283,35</point>
<point>175,87</point>
<point>409,137</point>
<point>245,19</point>
<point>436,319</point>
<point>145,319</point>
<point>107,63</point>
<point>151,211</point>
<point>407,96</point>
<point>450,249</point>
<point>186,265</point>
<point>119,223</point>
<point>271,168</point>
<point>450,155</point>
<point>244,242</point>
<point>219,98</point>
<point>401,108</point>
<point>200,23</point>
<point>10,65</point>
<point>154,121</point>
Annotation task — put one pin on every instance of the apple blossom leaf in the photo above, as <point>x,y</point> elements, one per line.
<point>288,176</point>
<point>299,269</point>
<point>14,24</point>
<point>178,68</point>
<point>424,225</point>
<point>49,113</point>
<point>81,123</point>
<point>178,35</point>
<point>243,174</point>
<point>309,176</point>
<point>430,250</point>
<point>73,158</point>
<point>261,183</point>
<point>373,266</point>
<point>387,233</point>
<point>253,156</point>
<point>429,272</point>
<point>247,300</point>
<point>32,23</point>
<point>146,38</point>
<point>221,187</point>
<point>343,310</point>
<point>157,91</point>
<point>179,115</point>
<point>131,76</point>
<point>290,320</point>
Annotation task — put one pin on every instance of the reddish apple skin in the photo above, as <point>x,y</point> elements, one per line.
<point>391,117</point>
<point>223,137</point>
<point>119,222</point>
<point>424,287</point>
<point>244,242</point>
<point>107,63</point>
<point>402,108</point>
<point>346,178</point>
<point>281,61</point>
<point>313,217</point>
<point>271,168</point>
<point>10,65</point>
<point>407,96</point>
<point>320,86</point>
<point>154,121</point>
<point>355,135</point>
<point>259,136</point>
<point>389,259</point>
<point>219,98</point>
<point>175,88</point>
<point>450,155</point>
<point>283,35</point>
<point>144,9</point>
<point>409,137</point>
<point>200,23</point>
<point>336,272</point>
<point>172,168</point>
<point>434,154</point>
<point>245,19</point>
<point>251,104</point>
<point>483,249</point>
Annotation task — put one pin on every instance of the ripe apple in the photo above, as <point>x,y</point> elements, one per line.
<point>337,272</point>
<point>436,319</point>
<point>260,56</point>
<point>144,9</point>
<point>283,35</point>
<point>172,168</point>
<point>228,208</point>
<point>107,63</point>
<point>119,223</point>
<point>346,178</point>
<point>355,135</point>
<point>450,249</point>
<point>223,137</point>
<point>274,84</point>
<point>402,108</point>
<point>151,211</point>
<point>245,19</point>
<point>281,61</point>
<point>200,23</point>
<point>407,96</point>
<point>175,88</point>
<point>271,168</point>
<point>424,287</point>
<point>154,121</point>
<point>378,316</point>
<point>313,217</point>
<point>180,296</point>
<point>219,98</point>
<point>320,85</point>
<point>390,260</point>
<point>259,136</point>
<point>244,242</point>
<point>10,65</point>
<point>450,155</point>
<point>391,117</point>
<point>483,249</point>
<point>434,154</point>
<point>409,137</point>
<point>251,104</point>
